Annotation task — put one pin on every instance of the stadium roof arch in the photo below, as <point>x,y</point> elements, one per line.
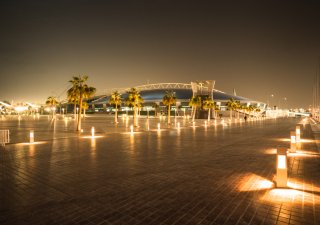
<point>155,92</point>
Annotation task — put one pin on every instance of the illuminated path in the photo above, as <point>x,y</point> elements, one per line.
<point>193,175</point>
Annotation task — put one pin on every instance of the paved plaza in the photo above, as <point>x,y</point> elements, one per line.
<point>215,174</point>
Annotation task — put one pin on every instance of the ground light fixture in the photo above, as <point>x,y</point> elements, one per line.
<point>178,125</point>
<point>298,133</point>
<point>205,123</point>
<point>282,168</point>
<point>131,129</point>
<point>31,136</point>
<point>293,141</point>
<point>92,131</point>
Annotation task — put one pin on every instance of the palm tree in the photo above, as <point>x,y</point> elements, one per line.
<point>243,108</point>
<point>156,107</point>
<point>52,102</point>
<point>169,99</point>
<point>81,91</point>
<point>195,102</point>
<point>208,103</point>
<point>238,108</point>
<point>134,100</point>
<point>231,105</point>
<point>85,106</point>
<point>250,109</point>
<point>73,98</point>
<point>115,100</point>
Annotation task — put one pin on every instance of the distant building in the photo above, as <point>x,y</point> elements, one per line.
<point>153,94</point>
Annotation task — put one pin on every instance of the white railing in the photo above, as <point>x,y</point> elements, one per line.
<point>4,137</point>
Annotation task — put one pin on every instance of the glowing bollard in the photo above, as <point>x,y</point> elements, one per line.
<point>158,126</point>
<point>131,129</point>
<point>31,136</point>
<point>92,131</point>
<point>298,134</point>
<point>178,125</point>
<point>215,123</point>
<point>194,124</point>
<point>282,170</point>
<point>205,123</point>
<point>293,141</point>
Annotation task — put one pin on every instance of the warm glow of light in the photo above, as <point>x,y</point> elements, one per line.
<point>292,196</point>
<point>92,131</point>
<point>293,139</point>
<point>131,129</point>
<point>31,136</point>
<point>178,125</point>
<point>271,151</point>
<point>90,137</point>
<point>20,108</point>
<point>282,162</point>
<point>303,154</point>
<point>253,182</point>
<point>289,140</point>
<point>33,143</point>
<point>158,126</point>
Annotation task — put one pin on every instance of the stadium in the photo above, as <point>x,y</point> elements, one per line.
<point>153,94</point>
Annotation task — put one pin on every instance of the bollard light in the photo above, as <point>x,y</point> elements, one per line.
<point>178,125</point>
<point>193,124</point>
<point>92,131</point>
<point>298,133</point>
<point>215,123</point>
<point>131,129</point>
<point>293,141</point>
<point>158,126</point>
<point>282,170</point>
<point>31,136</point>
<point>205,123</point>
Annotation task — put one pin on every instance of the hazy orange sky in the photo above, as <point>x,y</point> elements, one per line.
<point>257,47</point>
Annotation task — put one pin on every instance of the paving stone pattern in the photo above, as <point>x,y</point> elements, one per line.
<point>195,175</point>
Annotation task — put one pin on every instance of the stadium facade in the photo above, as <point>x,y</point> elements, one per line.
<point>153,94</point>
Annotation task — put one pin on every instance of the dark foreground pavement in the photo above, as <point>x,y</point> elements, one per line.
<point>214,175</point>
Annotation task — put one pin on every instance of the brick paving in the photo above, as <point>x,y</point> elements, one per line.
<point>195,175</point>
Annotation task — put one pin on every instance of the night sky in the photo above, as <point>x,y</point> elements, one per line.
<point>257,47</point>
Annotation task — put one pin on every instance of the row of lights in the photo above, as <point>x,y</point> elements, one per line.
<point>282,168</point>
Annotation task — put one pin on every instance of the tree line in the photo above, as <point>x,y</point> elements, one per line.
<point>80,91</point>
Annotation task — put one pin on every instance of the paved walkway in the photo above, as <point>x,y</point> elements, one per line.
<point>196,175</point>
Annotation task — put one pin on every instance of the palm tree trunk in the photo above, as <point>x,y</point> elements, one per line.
<point>192,113</point>
<point>209,111</point>
<point>75,109</point>
<point>230,113</point>
<point>169,114</point>
<point>79,114</point>
<point>116,115</point>
<point>134,117</point>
